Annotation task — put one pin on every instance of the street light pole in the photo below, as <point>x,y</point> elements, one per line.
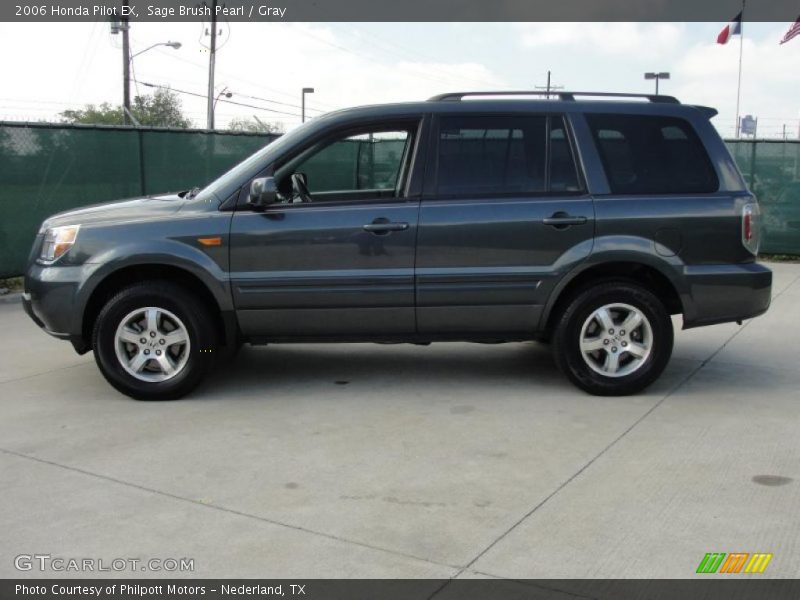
<point>657,77</point>
<point>175,45</point>
<point>126,107</point>
<point>127,60</point>
<point>306,90</point>
<point>225,93</point>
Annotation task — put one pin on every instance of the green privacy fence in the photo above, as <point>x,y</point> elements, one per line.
<point>772,171</point>
<point>46,168</point>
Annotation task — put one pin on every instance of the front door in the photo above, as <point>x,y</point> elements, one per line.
<point>504,216</point>
<point>335,255</point>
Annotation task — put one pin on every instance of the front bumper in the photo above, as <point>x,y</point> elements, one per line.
<point>51,300</point>
<point>724,293</point>
<point>27,306</point>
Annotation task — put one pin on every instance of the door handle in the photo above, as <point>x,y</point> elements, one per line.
<point>562,220</point>
<point>379,227</point>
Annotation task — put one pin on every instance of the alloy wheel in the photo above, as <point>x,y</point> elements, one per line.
<point>152,344</point>
<point>616,340</point>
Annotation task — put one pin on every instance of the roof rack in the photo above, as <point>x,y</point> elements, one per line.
<point>560,95</point>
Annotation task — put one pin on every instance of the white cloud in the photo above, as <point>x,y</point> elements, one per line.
<point>644,40</point>
<point>709,75</point>
<point>614,56</point>
<point>341,68</point>
<point>267,60</point>
<point>58,66</point>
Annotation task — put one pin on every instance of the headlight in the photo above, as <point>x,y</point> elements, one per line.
<point>57,240</point>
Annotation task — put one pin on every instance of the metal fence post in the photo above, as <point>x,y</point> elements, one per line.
<point>142,176</point>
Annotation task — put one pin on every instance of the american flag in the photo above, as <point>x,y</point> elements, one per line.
<point>794,30</point>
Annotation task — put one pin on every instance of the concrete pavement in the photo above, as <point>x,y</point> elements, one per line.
<point>453,460</point>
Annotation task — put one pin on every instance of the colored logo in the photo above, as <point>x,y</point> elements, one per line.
<point>735,562</point>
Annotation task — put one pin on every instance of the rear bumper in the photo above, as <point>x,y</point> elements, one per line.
<point>723,293</point>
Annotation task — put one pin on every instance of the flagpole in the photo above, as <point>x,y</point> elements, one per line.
<point>739,85</point>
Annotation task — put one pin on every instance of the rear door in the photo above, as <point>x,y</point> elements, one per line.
<point>663,188</point>
<point>342,262</point>
<point>505,213</point>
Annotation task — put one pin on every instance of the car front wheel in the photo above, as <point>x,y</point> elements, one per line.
<point>153,341</point>
<point>614,338</point>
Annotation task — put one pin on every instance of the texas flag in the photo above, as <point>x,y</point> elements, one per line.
<point>731,29</point>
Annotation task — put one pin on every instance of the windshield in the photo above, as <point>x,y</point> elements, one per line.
<point>226,184</point>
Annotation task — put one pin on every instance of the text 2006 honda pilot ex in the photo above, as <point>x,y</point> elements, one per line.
<point>583,222</point>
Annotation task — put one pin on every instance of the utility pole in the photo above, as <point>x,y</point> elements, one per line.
<point>211,61</point>
<point>548,88</point>
<point>303,92</point>
<point>126,66</point>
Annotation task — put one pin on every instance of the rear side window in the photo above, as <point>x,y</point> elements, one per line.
<point>652,155</point>
<point>492,155</point>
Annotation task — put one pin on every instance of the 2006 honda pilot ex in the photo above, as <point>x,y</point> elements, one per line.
<point>583,222</point>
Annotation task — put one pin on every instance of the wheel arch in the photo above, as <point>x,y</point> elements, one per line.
<point>643,272</point>
<point>111,282</point>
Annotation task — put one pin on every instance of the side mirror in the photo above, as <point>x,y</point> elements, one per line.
<point>263,191</point>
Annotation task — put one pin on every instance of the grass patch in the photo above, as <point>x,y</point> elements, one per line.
<point>785,258</point>
<point>13,284</point>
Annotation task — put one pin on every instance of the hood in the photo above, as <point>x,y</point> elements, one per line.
<point>132,210</point>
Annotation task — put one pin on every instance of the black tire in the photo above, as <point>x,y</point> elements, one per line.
<point>567,338</point>
<point>195,317</point>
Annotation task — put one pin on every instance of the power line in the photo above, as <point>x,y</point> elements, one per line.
<point>409,54</point>
<point>89,53</point>
<point>165,87</point>
<point>227,75</point>
<point>422,71</point>
<point>52,105</point>
<point>364,56</point>
<point>252,97</point>
<point>236,92</point>
<point>276,102</point>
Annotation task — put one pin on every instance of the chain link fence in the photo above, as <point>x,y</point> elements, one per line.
<point>772,171</point>
<point>47,168</point>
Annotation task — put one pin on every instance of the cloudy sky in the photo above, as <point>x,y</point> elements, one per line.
<point>59,66</point>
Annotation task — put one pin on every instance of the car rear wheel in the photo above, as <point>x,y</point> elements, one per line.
<point>613,339</point>
<point>153,341</point>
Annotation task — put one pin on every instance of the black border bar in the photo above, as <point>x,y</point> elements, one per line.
<point>714,587</point>
<point>720,11</point>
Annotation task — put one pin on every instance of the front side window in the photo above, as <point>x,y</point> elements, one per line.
<point>645,154</point>
<point>364,162</point>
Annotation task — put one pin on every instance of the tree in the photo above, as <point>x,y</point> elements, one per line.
<point>254,125</point>
<point>161,109</point>
<point>104,114</point>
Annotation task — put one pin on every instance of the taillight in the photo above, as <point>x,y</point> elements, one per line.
<point>751,227</point>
